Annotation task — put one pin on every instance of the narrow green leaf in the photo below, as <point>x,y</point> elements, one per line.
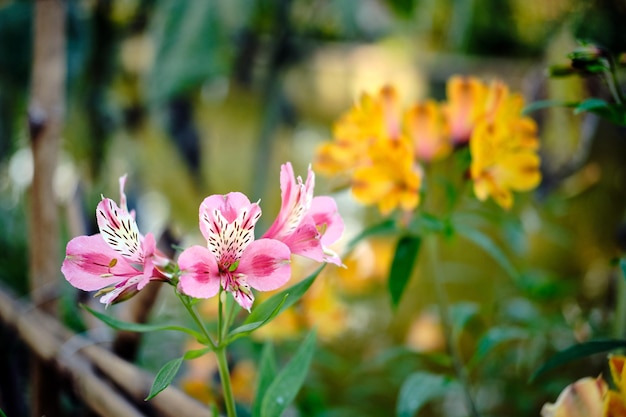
<point>591,104</point>
<point>248,328</point>
<point>578,351</point>
<point>543,104</point>
<point>401,269</point>
<point>141,328</point>
<point>495,337</point>
<point>613,112</point>
<point>287,383</point>
<point>420,388</point>
<point>425,223</point>
<point>2,413</point>
<point>267,373</point>
<point>488,245</point>
<point>288,297</point>
<point>196,353</point>
<point>461,314</point>
<point>622,265</point>
<point>384,228</point>
<point>166,374</point>
<point>164,377</point>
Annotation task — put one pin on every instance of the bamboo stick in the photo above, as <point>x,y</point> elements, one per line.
<point>45,115</point>
<point>72,355</point>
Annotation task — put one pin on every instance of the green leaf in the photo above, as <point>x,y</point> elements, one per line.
<point>622,265</point>
<point>196,353</point>
<point>287,383</point>
<point>401,269</point>
<point>141,328</point>
<point>488,245</point>
<point>166,374</point>
<point>287,297</point>
<point>420,388</point>
<point>461,314</point>
<point>164,377</point>
<point>247,328</point>
<point>543,104</point>
<point>189,40</point>
<point>591,104</point>
<point>578,351</point>
<point>495,337</point>
<point>384,228</point>
<point>267,373</point>
<point>425,223</point>
<point>2,413</point>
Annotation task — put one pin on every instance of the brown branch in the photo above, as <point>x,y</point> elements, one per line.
<point>45,116</point>
<point>72,355</point>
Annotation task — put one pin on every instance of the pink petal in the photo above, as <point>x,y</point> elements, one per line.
<point>305,241</point>
<point>227,223</point>
<point>265,264</point>
<point>122,291</point>
<point>90,264</point>
<point>119,230</point>
<point>243,295</point>
<point>295,201</point>
<point>200,276</point>
<point>122,194</point>
<point>327,219</point>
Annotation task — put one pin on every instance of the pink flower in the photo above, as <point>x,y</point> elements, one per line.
<point>306,224</point>
<point>118,258</point>
<point>232,258</point>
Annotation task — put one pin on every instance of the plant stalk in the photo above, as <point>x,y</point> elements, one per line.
<point>227,390</point>
<point>444,311</point>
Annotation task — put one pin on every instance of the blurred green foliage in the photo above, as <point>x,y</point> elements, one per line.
<point>199,97</point>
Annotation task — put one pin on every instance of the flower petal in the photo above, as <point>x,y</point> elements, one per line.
<point>266,264</point>
<point>327,219</point>
<point>119,230</point>
<point>227,223</point>
<point>305,241</point>
<point>296,199</point>
<point>90,264</point>
<point>200,276</point>
<point>122,291</point>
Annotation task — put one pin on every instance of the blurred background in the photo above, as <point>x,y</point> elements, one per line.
<point>197,97</point>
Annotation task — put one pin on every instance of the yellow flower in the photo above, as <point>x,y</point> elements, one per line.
<point>373,118</point>
<point>465,106</point>
<point>583,398</point>
<point>589,397</point>
<point>502,163</point>
<point>425,124</point>
<point>392,180</point>
<point>615,401</point>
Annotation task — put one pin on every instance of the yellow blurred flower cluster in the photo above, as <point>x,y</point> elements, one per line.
<point>591,397</point>
<point>383,149</point>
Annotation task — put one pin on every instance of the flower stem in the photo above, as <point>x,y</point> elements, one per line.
<point>222,365</point>
<point>446,321</point>
<point>197,320</point>
<point>220,353</point>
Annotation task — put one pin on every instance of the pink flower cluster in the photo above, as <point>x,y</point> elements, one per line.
<point>119,261</point>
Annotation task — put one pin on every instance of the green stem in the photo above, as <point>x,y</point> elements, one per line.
<point>196,319</point>
<point>222,365</point>
<point>220,352</point>
<point>446,321</point>
<point>229,318</point>
<point>220,333</point>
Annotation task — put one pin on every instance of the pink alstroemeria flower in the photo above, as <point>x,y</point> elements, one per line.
<point>118,258</point>
<point>232,258</point>
<point>307,224</point>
